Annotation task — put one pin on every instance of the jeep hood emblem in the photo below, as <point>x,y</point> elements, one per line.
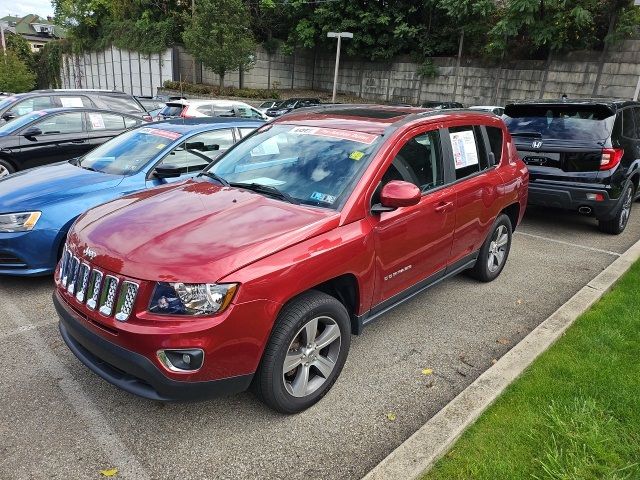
<point>90,254</point>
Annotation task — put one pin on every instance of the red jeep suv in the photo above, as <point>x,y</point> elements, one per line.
<point>258,271</point>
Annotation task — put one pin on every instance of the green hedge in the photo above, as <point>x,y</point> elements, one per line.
<point>201,89</point>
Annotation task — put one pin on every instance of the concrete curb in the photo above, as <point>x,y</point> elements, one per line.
<point>422,449</point>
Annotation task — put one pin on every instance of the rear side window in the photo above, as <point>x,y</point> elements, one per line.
<point>122,103</point>
<point>469,156</point>
<point>628,123</point>
<point>105,121</point>
<point>495,142</point>
<point>563,121</point>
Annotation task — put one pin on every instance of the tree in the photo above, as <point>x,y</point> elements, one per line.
<point>219,36</point>
<point>15,76</point>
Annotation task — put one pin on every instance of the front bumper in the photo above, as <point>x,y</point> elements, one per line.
<point>132,371</point>
<point>572,198</point>
<point>29,253</point>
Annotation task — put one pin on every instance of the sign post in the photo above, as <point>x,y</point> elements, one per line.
<point>339,36</point>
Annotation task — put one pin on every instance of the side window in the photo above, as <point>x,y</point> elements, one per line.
<point>105,121</point>
<point>63,123</point>
<point>469,155</point>
<point>246,112</point>
<point>628,123</point>
<point>419,162</point>
<point>223,112</point>
<point>198,151</point>
<point>246,131</point>
<point>31,104</point>
<point>495,142</point>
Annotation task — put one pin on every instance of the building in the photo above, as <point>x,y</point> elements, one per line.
<point>34,29</point>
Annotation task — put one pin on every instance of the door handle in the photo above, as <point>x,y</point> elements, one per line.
<point>443,206</point>
<point>78,141</point>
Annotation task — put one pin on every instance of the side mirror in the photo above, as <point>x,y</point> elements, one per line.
<point>167,172</point>
<point>397,194</point>
<point>10,115</point>
<point>32,132</point>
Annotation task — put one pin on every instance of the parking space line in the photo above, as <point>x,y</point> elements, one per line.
<point>99,428</point>
<point>561,242</point>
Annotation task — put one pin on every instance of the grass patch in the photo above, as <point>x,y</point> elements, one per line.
<point>574,414</point>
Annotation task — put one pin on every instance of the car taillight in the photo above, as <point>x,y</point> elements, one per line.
<point>183,113</point>
<point>610,158</point>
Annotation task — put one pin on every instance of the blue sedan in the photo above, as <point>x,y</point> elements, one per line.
<point>38,206</point>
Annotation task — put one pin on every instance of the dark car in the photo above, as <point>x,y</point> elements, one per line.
<point>583,155</point>
<point>22,103</point>
<point>57,134</point>
<point>441,105</point>
<point>291,104</point>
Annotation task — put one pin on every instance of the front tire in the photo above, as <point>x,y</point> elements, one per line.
<point>494,252</point>
<point>305,354</point>
<point>618,223</point>
<point>6,168</point>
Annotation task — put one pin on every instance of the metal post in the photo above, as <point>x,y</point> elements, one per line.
<point>4,45</point>
<point>637,92</point>
<point>335,73</point>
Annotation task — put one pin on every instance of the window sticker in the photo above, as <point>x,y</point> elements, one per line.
<point>356,155</point>
<point>160,146</point>
<point>160,133</point>
<point>71,102</point>
<point>464,148</point>
<point>97,122</point>
<point>359,137</point>
<point>323,197</point>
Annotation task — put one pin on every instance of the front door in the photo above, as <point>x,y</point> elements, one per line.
<point>413,244</point>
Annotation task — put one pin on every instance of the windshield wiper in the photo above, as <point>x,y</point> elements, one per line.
<point>266,189</point>
<point>216,177</point>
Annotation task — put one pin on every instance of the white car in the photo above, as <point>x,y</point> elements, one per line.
<point>209,108</point>
<point>499,111</point>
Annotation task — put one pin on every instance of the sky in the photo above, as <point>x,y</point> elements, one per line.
<point>21,8</point>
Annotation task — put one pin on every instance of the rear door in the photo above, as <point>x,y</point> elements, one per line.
<point>562,142</point>
<point>476,188</point>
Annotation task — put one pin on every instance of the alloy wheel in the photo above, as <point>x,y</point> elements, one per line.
<point>4,171</point>
<point>498,248</point>
<point>626,208</point>
<point>312,356</point>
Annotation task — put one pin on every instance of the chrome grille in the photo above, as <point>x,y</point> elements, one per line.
<point>99,290</point>
<point>73,275</point>
<point>127,297</point>
<point>82,282</point>
<point>94,289</point>
<point>108,297</point>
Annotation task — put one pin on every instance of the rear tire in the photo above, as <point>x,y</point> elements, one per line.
<point>6,168</point>
<point>494,252</point>
<point>619,222</point>
<point>305,354</point>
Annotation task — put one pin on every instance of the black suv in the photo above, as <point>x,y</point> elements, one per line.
<point>22,103</point>
<point>582,155</point>
<point>287,106</point>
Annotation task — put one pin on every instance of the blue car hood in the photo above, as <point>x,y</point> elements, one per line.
<point>36,187</point>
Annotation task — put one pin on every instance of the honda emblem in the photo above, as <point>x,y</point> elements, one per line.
<point>537,144</point>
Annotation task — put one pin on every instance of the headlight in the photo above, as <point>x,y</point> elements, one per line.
<point>18,222</point>
<point>191,298</point>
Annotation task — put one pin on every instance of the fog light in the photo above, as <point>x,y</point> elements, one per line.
<point>186,361</point>
<point>597,197</point>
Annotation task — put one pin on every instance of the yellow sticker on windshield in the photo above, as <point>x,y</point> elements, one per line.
<point>356,155</point>
<point>160,146</point>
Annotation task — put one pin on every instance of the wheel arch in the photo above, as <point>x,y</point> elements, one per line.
<point>513,212</point>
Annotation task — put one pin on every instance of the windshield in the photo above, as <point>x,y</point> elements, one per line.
<point>20,122</point>
<point>126,154</point>
<point>267,105</point>
<point>314,166</point>
<point>574,122</point>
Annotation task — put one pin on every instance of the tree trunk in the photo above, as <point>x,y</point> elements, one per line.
<point>221,83</point>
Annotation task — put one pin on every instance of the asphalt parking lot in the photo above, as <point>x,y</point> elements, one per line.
<point>59,420</point>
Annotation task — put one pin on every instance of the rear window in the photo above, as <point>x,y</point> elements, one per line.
<point>171,110</point>
<point>122,104</point>
<point>574,122</point>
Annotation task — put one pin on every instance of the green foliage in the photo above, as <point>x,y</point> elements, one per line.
<point>427,69</point>
<point>49,64</point>
<point>219,36</point>
<point>626,26</point>
<point>15,75</point>
<point>201,89</point>
<point>18,45</point>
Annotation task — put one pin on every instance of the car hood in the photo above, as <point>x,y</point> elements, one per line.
<point>34,188</point>
<point>193,231</point>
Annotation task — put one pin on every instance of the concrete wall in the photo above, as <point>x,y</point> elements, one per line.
<point>615,73</point>
<point>116,69</point>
